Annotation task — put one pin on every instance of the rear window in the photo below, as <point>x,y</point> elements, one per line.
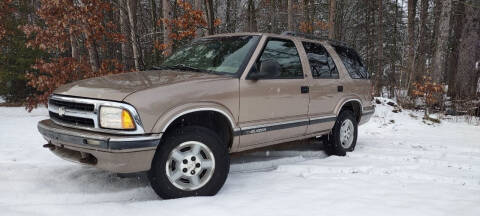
<point>352,62</point>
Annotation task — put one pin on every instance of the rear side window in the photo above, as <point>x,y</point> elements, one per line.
<point>352,62</point>
<point>321,63</point>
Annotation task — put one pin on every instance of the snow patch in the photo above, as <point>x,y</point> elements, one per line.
<point>400,166</point>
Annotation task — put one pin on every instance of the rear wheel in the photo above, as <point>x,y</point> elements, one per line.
<point>192,161</point>
<point>343,137</point>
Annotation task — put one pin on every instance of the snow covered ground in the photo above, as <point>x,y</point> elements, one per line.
<point>401,166</point>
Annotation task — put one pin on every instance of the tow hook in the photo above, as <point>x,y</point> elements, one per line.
<point>87,158</point>
<point>49,146</point>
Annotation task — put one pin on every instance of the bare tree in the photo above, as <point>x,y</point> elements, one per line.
<point>251,20</point>
<point>125,30</point>
<point>369,32</point>
<point>379,73</point>
<point>331,20</point>
<point>132,17</point>
<point>458,21</point>
<point>469,54</point>
<point>420,64</point>
<point>155,28</point>
<point>197,5</point>
<point>74,45</point>
<point>167,14</point>
<point>442,16</point>
<point>412,10</point>
<point>210,17</point>
<point>291,21</point>
<point>228,13</point>
<point>92,52</point>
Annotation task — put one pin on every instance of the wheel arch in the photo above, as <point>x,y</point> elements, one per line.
<point>353,104</point>
<point>223,122</point>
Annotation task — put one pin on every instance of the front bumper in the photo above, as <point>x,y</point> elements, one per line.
<point>116,153</point>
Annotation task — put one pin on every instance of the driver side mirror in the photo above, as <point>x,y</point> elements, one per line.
<point>268,69</point>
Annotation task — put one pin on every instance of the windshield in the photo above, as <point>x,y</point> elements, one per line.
<point>224,55</point>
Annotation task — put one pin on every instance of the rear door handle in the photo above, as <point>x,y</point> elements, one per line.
<point>340,88</point>
<point>304,89</point>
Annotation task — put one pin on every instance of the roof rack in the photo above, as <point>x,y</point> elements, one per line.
<point>315,37</point>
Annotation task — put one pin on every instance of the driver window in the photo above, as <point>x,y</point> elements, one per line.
<point>285,53</point>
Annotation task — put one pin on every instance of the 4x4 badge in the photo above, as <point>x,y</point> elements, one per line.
<point>61,111</point>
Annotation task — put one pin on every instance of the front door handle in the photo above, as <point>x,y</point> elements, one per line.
<point>304,89</point>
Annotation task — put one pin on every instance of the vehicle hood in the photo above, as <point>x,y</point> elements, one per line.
<point>118,86</point>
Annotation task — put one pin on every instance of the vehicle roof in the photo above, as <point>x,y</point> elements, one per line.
<point>298,36</point>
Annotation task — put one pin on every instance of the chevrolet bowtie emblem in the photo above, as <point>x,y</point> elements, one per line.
<point>61,111</point>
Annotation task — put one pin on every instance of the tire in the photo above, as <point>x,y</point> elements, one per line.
<point>334,144</point>
<point>177,154</point>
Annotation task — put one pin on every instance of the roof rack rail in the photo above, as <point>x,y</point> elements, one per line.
<point>311,36</point>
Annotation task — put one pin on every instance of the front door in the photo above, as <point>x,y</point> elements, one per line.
<point>274,108</point>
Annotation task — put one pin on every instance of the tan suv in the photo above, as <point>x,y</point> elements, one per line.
<point>218,95</point>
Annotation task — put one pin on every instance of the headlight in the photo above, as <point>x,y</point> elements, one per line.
<point>115,118</point>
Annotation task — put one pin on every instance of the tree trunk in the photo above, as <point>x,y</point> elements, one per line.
<point>367,21</point>
<point>469,54</point>
<point>291,24</point>
<point>197,5</point>
<point>412,10</point>
<point>228,12</point>
<point>210,17</point>
<point>74,46</point>
<point>167,14</point>
<point>339,25</point>
<point>234,13</point>
<point>307,16</point>
<point>125,30</point>
<point>132,14</point>
<point>370,26</point>
<point>379,74</point>
<point>331,20</point>
<point>420,65</point>
<point>251,20</point>
<point>458,18</point>
<point>394,56</point>
<point>92,53</point>
<point>439,59</point>
<point>156,58</point>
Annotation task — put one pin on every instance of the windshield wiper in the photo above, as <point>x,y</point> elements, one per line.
<point>157,68</point>
<point>186,67</point>
<point>182,67</point>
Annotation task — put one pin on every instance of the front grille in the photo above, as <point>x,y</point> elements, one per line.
<point>82,113</point>
<point>72,105</point>
<point>84,122</point>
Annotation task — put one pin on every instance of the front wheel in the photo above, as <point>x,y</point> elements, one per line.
<point>343,137</point>
<point>192,161</point>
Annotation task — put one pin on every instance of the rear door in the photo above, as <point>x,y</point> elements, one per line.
<point>274,108</point>
<point>326,87</point>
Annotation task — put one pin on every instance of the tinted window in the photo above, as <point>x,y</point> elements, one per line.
<point>352,62</point>
<point>321,63</point>
<point>285,53</point>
